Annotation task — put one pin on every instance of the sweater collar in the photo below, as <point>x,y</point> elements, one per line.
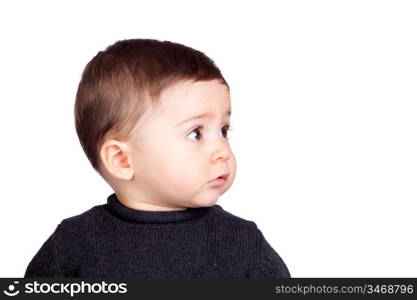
<point>143,216</point>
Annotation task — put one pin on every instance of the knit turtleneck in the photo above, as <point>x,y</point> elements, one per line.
<point>125,213</point>
<point>112,240</point>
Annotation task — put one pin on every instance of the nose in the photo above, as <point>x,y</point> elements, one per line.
<point>222,151</point>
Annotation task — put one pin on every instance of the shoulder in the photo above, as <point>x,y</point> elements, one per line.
<point>82,221</point>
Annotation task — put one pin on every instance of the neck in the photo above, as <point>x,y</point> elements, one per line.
<point>117,208</point>
<point>147,206</point>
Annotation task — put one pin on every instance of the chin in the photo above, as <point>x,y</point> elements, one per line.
<point>204,202</point>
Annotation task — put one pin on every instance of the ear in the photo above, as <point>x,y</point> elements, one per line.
<point>116,159</point>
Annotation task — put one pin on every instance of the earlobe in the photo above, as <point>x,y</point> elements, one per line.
<point>115,158</point>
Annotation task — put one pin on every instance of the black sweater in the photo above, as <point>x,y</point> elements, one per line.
<point>115,241</point>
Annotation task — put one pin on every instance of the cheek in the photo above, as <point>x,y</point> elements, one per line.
<point>231,163</point>
<point>233,166</point>
<point>186,171</point>
<point>181,166</point>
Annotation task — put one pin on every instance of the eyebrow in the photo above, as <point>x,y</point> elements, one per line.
<point>201,116</point>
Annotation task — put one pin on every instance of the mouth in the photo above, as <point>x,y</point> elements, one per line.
<point>224,176</point>
<point>221,177</point>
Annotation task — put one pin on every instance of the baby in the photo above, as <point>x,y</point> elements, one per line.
<point>153,118</point>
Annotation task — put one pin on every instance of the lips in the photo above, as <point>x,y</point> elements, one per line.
<point>223,176</point>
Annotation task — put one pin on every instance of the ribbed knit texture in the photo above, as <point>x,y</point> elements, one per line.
<point>115,241</point>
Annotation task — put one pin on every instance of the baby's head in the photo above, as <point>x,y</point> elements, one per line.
<point>152,118</point>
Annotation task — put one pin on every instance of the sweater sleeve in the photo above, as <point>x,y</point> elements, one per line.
<point>46,262</point>
<point>266,261</point>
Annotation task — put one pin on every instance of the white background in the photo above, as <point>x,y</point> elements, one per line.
<point>324,121</point>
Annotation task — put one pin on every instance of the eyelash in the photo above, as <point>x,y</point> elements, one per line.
<point>228,128</point>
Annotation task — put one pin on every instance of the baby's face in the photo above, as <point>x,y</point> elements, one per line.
<point>175,157</point>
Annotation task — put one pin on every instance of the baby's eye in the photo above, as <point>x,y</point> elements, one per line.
<point>197,130</point>
<point>225,129</point>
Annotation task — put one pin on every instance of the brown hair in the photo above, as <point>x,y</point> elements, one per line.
<point>116,82</point>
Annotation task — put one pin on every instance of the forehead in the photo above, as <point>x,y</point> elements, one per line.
<point>183,101</point>
<point>187,98</point>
